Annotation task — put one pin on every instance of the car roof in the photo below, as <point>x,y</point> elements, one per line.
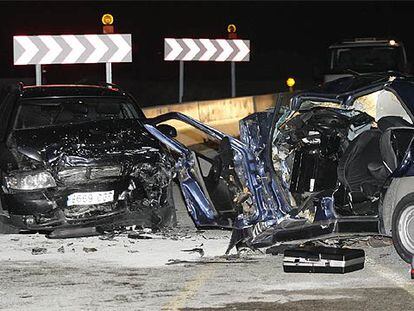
<point>343,90</point>
<point>352,83</point>
<point>72,90</point>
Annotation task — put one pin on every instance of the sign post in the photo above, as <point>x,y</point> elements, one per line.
<point>72,49</point>
<point>107,22</point>
<point>39,74</point>
<point>108,70</point>
<point>181,86</point>
<point>233,79</point>
<point>217,50</point>
<point>231,30</point>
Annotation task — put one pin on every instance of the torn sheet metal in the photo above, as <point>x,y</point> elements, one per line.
<point>113,156</point>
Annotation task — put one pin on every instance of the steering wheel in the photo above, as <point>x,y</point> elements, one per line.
<point>328,120</point>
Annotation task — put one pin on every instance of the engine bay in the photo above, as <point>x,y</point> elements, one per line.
<point>307,149</point>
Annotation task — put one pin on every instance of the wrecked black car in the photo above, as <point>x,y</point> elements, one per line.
<point>332,163</point>
<point>76,158</point>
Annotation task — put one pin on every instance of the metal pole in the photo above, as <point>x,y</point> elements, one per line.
<point>108,72</point>
<point>233,79</point>
<point>181,86</point>
<point>38,74</point>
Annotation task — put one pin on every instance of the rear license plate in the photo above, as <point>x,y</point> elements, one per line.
<point>89,198</point>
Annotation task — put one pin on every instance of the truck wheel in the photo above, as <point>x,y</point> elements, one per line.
<point>403,227</point>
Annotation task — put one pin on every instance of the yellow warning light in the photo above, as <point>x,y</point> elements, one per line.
<point>107,19</point>
<point>290,82</point>
<point>231,28</point>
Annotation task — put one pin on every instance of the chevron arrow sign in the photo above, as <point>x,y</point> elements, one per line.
<point>218,50</point>
<point>72,49</point>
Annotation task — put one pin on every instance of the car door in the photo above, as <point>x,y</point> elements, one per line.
<point>234,191</point>
<point>209,183</point>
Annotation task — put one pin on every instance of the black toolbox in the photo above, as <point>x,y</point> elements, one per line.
<point>318,259</point>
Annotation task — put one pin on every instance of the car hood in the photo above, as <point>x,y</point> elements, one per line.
<point>87,143</point>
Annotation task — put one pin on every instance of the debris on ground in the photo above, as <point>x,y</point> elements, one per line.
<point>379,241</point>
<point>279,249</point>
<point>197,249</point>
<point>139,236</point>
<point>89,249</point>
<point>26,296</point>
<point>109,236</point>
<point>39,251</point>
<point>61,249</point>
<point>133,251</point>
<point>225,259</point>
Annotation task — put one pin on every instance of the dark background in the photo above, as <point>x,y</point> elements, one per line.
<point>287,39</point>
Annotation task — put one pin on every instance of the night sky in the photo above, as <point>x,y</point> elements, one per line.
<point>287,39</point>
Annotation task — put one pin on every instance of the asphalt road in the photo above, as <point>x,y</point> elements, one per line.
<point>121,273</point>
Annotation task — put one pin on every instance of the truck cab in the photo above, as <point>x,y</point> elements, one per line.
<point>365,55</point>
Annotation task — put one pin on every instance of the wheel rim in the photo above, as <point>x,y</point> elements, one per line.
<point>406,229</point>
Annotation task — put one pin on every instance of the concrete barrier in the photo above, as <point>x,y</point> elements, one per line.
<point>222,114</point>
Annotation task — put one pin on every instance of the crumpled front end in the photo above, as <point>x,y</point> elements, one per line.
<point>108,183</point>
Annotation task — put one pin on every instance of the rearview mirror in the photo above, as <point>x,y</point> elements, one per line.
<point>167,130</point>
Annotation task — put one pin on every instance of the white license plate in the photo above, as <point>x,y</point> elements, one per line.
<point>89,198</point>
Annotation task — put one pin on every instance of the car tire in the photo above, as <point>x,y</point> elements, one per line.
<point>403,228</point>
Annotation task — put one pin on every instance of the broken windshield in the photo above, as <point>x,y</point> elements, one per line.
<point>50,112</point>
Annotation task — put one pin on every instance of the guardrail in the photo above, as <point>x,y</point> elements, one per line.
<point>222,114</point>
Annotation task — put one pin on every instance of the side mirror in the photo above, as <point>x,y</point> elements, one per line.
<point>167,130</point>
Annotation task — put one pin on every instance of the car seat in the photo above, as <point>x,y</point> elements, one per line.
<point>360,158</point>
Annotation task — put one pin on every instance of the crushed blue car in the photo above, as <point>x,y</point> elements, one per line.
<point>333,162</point>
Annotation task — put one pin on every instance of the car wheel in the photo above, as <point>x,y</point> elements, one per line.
<point>403,227</point>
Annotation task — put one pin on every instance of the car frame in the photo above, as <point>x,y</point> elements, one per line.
<point>261,214</point>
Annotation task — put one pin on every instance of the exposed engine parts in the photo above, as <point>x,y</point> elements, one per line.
<point>308,146</point>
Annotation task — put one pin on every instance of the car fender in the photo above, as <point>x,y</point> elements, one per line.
<point>398,189</point>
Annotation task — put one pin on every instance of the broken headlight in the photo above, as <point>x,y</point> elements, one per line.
<point>30,181</point>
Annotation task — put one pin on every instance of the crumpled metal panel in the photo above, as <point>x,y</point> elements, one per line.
<point>94,156</point>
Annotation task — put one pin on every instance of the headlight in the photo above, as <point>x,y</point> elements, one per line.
<point>30,181</point>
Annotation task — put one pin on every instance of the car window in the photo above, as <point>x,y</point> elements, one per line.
<point>367,59</point>
<point>49,112</point>
<point>380,104</point>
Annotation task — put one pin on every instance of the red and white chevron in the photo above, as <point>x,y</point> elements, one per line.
<point>218,50</point>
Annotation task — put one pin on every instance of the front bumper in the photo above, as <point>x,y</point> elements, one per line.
<point>47,210</point>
